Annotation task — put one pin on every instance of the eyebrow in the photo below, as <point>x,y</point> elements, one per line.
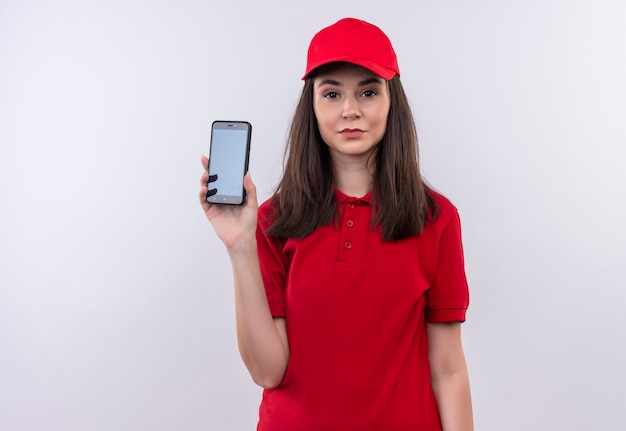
<point>372,80</point>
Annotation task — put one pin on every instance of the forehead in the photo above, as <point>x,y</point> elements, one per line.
<point>344,71</point>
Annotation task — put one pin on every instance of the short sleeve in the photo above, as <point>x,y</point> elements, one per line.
<point>448,297</point>
<point>273,263</point>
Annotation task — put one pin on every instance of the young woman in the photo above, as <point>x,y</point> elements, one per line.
<point>349,282</point>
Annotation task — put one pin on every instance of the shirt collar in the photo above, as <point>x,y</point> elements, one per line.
<point>342,198</point>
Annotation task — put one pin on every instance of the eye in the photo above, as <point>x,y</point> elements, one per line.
<point>369,93</point>
<point>331,94</point>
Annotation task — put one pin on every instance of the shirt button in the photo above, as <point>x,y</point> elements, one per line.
<point>350,205</point>
<point>348,245</point>
<point>349,223</point>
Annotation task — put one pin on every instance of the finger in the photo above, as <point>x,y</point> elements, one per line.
<point>202,197</point>
<point>204,178</point>
<point>205,162</point>
<point>211,192</point>
<point>212,178</point>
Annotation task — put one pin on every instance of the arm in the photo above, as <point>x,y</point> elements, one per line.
<point>449,377</point>
<point>262,339</point>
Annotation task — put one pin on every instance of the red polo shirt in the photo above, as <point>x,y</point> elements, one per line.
<point>356,310</point>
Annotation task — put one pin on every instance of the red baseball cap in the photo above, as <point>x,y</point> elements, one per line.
<point>353,41</point>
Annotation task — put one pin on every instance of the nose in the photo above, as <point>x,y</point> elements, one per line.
<point>351,108</point>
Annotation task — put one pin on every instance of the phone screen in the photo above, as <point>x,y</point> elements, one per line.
<point>228,159</point>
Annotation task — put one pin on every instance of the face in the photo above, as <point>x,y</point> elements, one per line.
<point>351,105</point>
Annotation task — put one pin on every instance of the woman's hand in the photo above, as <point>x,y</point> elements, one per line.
<point>235,225</point>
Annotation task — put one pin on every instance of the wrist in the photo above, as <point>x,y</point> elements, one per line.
<point>244,248</point>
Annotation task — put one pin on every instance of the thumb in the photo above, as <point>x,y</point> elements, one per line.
<point>250,190</point>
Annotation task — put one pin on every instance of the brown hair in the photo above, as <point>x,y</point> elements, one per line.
<point>305,199</point>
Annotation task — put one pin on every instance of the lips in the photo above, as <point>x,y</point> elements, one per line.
<point>352,133</point>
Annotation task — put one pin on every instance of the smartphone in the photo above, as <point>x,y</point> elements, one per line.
<point>228,161</point>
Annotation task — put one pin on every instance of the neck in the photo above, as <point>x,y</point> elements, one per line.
<point>353,177</point>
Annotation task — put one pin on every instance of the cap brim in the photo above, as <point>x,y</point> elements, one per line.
<point>379,70</point>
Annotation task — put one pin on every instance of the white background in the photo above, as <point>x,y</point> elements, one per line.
<point>116,308</point>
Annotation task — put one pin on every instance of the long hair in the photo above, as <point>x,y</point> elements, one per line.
<point>304,200</point>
